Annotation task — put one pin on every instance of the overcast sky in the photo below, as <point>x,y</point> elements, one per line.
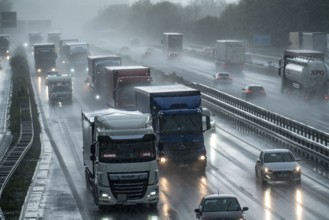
<point>72,13</point>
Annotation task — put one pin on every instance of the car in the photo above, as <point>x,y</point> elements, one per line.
<point>277,165</point>
<point>223,78</point>
<point>173,55</point>
<point>220,206</point>
<point>253,91</point>
<point>148,52</point>
<point>207,112</point>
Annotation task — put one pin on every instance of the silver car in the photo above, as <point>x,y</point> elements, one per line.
<point>277,165</point>
<point>220,206</point>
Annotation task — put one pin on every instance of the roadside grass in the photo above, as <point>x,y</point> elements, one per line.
<point>13,196</point>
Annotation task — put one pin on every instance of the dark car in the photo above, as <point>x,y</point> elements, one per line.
<point>253,91</point>
<point>277,165</point>
<point>220,206</point>
<point>223,78</point>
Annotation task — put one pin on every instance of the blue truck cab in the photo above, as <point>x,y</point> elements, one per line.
<point>178,121</point>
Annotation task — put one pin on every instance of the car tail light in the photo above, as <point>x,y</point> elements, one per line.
<point>248,91</point>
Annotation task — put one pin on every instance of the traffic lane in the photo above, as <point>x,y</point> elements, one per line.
<point>312,113</point>
<point>234,159</point>
<point>64,123</point>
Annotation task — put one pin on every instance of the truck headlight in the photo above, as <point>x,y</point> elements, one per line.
<point>105,195</point>
<point>152,193</point>
<point>202,157</point>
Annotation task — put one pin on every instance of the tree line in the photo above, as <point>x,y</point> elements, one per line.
<point>205,21</point>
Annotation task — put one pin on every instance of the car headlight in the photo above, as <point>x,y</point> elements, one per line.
<point>297,169</point>
<point>267,170</point>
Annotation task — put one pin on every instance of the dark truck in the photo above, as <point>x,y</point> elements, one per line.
<point>96,65</point>
<point>75,56</point>
<point>61,45</point>
<point>35,38</point>
<point>44,57</point>
<point>178,121</point>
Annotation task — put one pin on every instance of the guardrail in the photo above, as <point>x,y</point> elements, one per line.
<point>306,140</point>
<point>14,156</point>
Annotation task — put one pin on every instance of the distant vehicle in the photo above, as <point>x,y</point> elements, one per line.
<point>124,49</point>
<point>96,65</point>
<point>44,57</point>
<point>253,91</point>
<point>230,54</point>
<point>54,37</point>
<point>61,45</point>
<point>135,42</point>
<point>315,41</point>
<point>220,207</point>
<point>35,38</point>
<point>222,78</point>
<point>75,56</point>
<point>172,44</point>
<point>277,165</point>
<point>59,88</point>
<point>148,52</point>
<point>208,51</point>
<point>304,73</point>
<point>116,85</point>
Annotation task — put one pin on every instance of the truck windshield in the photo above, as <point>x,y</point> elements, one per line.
<point>127,151</point>
<point>185,124</point>
<point>61,89</point>
<point>45,54</point>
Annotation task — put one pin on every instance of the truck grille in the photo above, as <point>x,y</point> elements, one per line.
<point>130,185</point>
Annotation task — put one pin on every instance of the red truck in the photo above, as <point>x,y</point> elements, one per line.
<point>116,85</point>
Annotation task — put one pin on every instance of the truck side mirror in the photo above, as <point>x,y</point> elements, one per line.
<point>208,126</point>
<point>92,148</point>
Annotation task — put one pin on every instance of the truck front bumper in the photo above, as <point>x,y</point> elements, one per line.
<point>106,198</point>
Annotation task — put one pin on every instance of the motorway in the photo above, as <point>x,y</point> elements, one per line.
<point>231,156</point>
